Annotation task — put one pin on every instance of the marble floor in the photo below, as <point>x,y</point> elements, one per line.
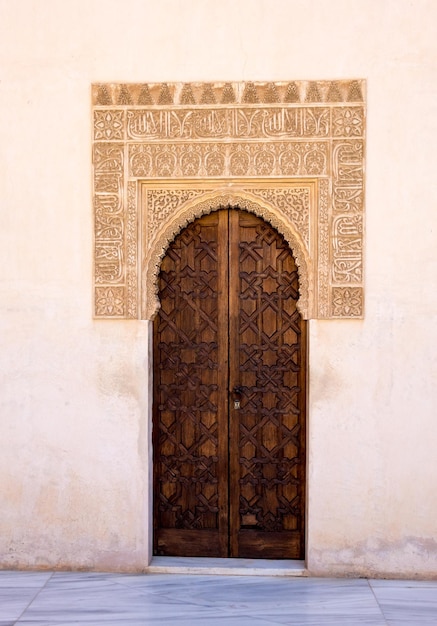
<point>90,599</point>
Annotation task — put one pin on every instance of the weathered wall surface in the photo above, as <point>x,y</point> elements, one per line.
<point>74,427</point>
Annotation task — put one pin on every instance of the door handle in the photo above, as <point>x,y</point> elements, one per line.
<point>236,396</point>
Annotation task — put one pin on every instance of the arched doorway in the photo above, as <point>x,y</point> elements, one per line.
<point>229,393</point>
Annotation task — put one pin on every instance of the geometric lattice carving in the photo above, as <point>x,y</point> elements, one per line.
<point>187,393</point>
<point>175,137</point>
<point>229,480</point>
<point>270,371</point>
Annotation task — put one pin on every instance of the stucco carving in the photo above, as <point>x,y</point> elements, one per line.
<point>158,241</point>
<point>292,152</point>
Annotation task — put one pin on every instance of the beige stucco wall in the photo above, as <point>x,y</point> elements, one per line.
<point>74,425</point>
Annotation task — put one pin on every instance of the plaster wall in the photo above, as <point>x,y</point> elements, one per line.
<point>74,427</point>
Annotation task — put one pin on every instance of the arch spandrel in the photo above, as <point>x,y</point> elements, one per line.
<point>214,202</point>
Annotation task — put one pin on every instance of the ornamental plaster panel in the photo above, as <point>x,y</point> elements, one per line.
<point>208,199</point>
<point>291,152</point>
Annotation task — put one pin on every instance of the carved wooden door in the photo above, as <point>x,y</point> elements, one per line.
<point>229,394</point>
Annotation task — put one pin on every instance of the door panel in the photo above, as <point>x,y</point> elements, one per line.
<point>267,431</point>
<point>190,400</point>
<point>229,481</point>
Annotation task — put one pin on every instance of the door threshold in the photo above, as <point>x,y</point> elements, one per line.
<point>225,567</point>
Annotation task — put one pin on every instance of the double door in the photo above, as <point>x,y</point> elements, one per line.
<point>229,394</point>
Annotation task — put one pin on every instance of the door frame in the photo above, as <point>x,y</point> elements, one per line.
<point>149,470</point>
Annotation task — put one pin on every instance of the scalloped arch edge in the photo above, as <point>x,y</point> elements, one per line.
<point>209,203</point>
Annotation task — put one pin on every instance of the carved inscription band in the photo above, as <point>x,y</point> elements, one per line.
<point>291,152</point>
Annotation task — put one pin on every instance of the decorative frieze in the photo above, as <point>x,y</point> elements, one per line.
<point>109,219</point>
<point>132,247</point>
<point>322,256</point>
<point>347,245</point>
<point>293,92</point>
<point>212,160</point>
<point>348,176</point>
<point>293,152</point>
<point>215,124</point>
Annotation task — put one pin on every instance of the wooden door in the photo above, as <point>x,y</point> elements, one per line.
<point>229,394</point>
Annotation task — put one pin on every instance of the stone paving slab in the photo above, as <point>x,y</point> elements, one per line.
<point>93,599</point>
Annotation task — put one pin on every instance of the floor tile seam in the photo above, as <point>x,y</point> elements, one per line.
<point>369,582</point>
<point>32,600</point>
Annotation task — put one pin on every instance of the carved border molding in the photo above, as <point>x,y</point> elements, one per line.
<point>292,152</point>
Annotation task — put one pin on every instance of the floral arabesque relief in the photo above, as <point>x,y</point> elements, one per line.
<point>292,152</point>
